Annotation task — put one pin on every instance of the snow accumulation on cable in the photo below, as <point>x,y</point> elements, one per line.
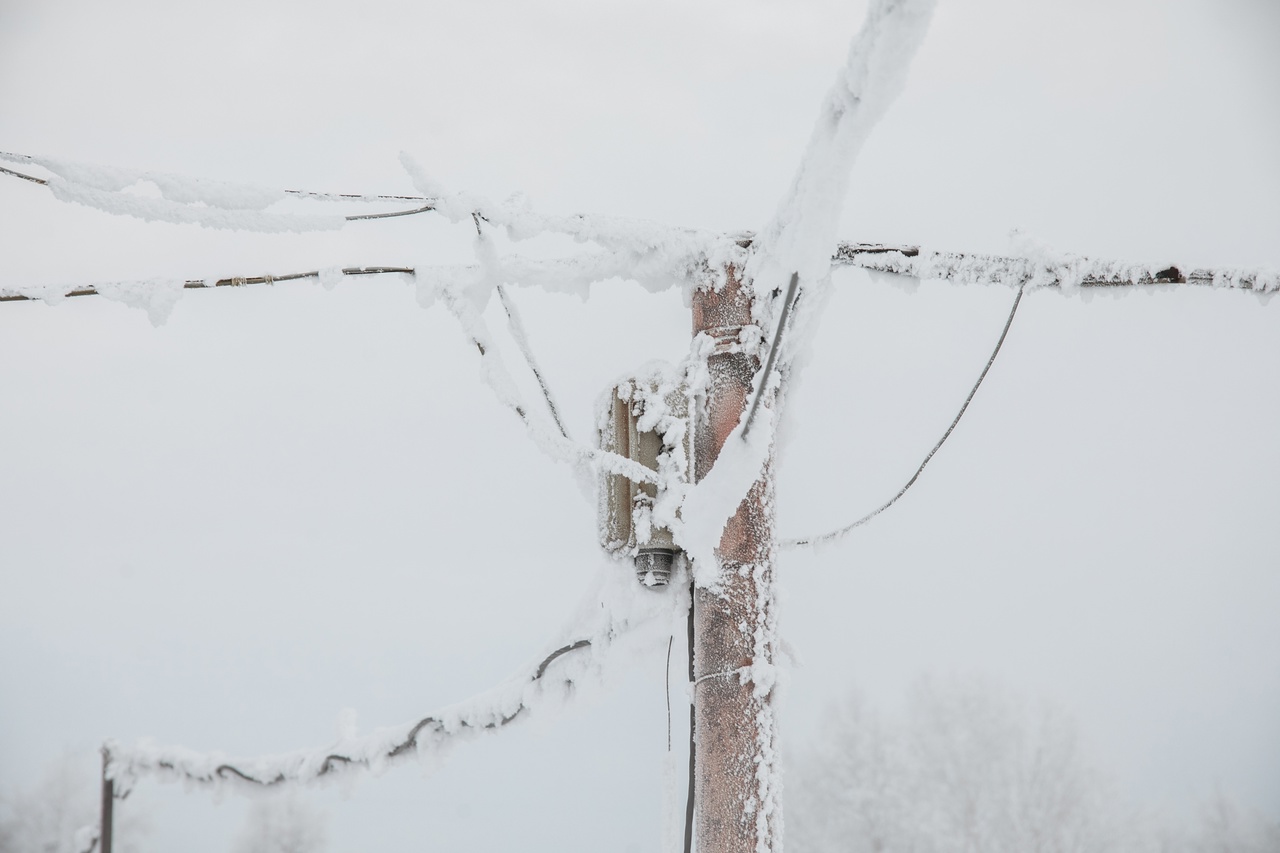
<point>617,623</point>
<point>655,255</point>
<point>182,200</point>
<point>1035,265</point>
<point>465,291</point>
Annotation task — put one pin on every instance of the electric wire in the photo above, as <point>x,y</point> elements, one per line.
<point>790,300</point>
<point>234,281</point>
<point>839,532</point>
<point>316,196</point>
<point>335,761</point>
<point>667,683</point>
<point>516,326</point>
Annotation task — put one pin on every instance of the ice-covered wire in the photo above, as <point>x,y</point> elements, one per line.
<point>516,326</point>
<point>836,534</point>
<point>7,295</point>
<point>1061,270</point>
<point>495,375</point>
<point>1045,269</point>
<point>317,196</point>
<point>121,761</point>
<point>24,177</point>
<point>787,305</point>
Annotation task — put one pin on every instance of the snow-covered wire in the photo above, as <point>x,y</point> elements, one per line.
<point>787,305</point>
<point>840,532</point>
<point>24,176</point>
<point>125,765</point>
<point>1042,268</point>
<point>37,293</point>
<point>73,191</point>
<point>455,287</point>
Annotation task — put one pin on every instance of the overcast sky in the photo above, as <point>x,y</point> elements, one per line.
<point>287,501</point>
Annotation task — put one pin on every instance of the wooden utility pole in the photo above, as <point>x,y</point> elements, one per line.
<point>108,803</point>
<point>736,805</point>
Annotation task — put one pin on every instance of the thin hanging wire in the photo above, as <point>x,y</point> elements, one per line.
<point>836,534</point>
<point>670,641</point>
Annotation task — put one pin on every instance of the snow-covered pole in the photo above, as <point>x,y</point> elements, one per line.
<point>736,810</point>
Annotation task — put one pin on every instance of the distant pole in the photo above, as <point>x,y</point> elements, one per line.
<point>734,730</point>
<point>108,804</point>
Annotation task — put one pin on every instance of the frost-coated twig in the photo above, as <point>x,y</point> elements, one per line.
<point>516,325</point>
<point>485,713</point>
<point>836,534</point>
<point>1044,269</point>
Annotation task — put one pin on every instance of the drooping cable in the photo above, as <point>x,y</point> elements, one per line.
<point>836,534</point>
<point>309,194</point>
<point>323,764</point>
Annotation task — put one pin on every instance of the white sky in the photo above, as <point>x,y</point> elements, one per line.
<point>289,501</point>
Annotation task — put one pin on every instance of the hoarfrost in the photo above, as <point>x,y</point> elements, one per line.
<point>1038,266</point>
<point>655,255</point>
<point>464,291</point>
<point>166,210</point>
<point>330,277</point>
<point>157,297</point>
<point>183,200</point>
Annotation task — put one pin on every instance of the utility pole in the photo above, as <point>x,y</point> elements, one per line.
<point>737,808</point>
<point>108,806</point>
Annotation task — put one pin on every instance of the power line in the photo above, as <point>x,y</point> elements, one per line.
<point>1064,271</point>
<point>332,762</point>
<point>235,281</point>
<point>317,196</point>
<point>787,305</point>
<point>836,534</point>
<point>522,341</point>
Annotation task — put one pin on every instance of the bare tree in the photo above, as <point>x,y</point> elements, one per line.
<point>46,817</point>
<point>965,771</point>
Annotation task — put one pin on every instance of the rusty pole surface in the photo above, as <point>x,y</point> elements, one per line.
<point>734,728</point>
<point>108,806</point>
